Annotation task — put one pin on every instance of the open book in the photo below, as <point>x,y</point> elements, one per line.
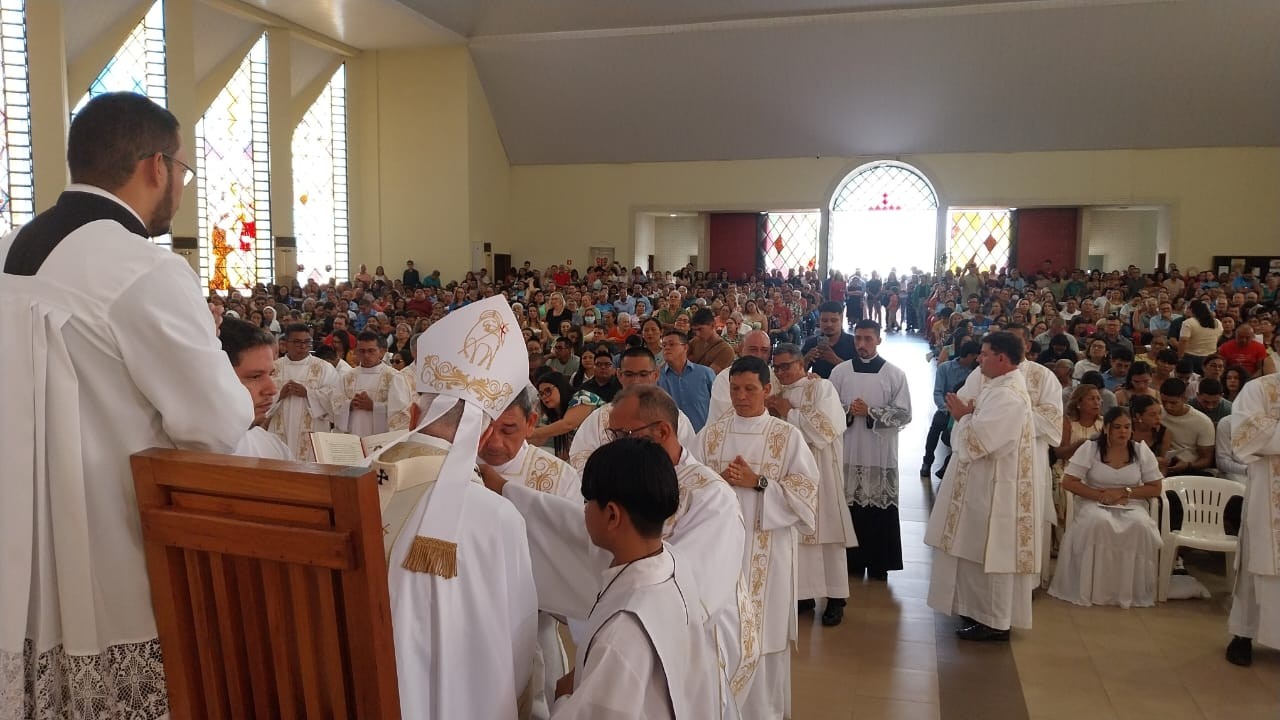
<point>344,449</point>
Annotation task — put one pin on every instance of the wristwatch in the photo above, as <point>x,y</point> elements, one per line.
<point>762,482</point>
<point>1128,492</point>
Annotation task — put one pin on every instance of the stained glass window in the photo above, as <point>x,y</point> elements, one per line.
<point>17,197</point>
<point>320,185</point>
<point>884,216</point>
<point>139,65</point>
<point>978,235</point>
<point>791,241</point>
<point>233,168</point>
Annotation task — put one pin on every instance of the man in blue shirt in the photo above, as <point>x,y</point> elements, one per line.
<point>625,303</point>
<point>949,378</point>
<point>688,383</point>
<point>1118,373</point>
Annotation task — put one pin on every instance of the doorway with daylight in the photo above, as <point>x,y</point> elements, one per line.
<point>883,218</point>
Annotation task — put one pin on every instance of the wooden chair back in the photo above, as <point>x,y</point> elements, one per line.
<point>269,586</point>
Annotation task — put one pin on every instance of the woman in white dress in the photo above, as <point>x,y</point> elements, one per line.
<point>1109,554</point>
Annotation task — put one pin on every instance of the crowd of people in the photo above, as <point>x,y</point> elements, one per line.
<point>599,472</point>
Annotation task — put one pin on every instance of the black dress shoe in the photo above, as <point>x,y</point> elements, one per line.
<point>805,606</point>
<point>966,621</point>
<point>833,614</point>
<point>924,470</point>
<point>1239,651</point>
<point>881,575</point>
<point>978,632</point>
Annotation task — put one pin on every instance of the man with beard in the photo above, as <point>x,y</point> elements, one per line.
<point>116,354</point>
<point>832,345</point>
<point>878,405</point>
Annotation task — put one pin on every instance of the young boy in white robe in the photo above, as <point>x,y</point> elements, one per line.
<point>650,653</point>
<point>252,352</point>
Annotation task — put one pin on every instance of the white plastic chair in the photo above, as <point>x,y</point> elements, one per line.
<point>1069,511</point>
<point>1204,504</point>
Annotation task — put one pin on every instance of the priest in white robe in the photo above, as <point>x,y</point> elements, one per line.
<point>109,350</point>
<point>463,602</point>
<point>508,454</point>
<point>812,405</point>
<point>755,344</point>
<point>985,521</point>
<point>1045,392</point>
<point>878,405</point>
<point>373,397</point>
<point>252,352</point>
<point>650,653</point>
<point>636,366</point>
<point>1255,438</point>
<point>307,386</point>
<point>774,475</point>
<point>707,527</point>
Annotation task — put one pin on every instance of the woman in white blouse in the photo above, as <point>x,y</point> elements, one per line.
<point>1109,553</point>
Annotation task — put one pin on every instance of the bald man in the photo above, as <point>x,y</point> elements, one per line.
<point>757,343</point>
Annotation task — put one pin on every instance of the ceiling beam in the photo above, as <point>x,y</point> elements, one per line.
<point>269,19</point>
<point>86,66</point>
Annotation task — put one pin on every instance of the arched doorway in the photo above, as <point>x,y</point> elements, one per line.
<point>882,217</point>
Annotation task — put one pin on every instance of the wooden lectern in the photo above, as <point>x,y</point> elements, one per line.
<point>269,586</point>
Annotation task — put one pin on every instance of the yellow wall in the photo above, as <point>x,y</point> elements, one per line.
<point>1222,200</point>
<point>428,170</point>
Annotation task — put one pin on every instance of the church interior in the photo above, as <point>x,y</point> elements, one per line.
<point>330,134</point>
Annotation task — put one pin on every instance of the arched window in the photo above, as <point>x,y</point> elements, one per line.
<point>883,216</point>
<point>233,180</point>
<point>17,197</point>
<point>320,185</point>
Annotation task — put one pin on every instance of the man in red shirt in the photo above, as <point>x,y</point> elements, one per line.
<point>1244,351</point>
<point>420,303</point>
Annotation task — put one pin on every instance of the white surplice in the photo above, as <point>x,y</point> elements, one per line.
<point>650,655</point>
<point>985,524</point>
<point>706,528</point>
<point>720,400</point>
<point>110,350</point>
<point>480,624</point>
<point>821,568</point>
<point>592,433</point>
<point>539,470</point>
<point>1255,415</point>
<point>390,394</point>
<point>260,443</point>
<point>295,418</point>
<point>1045,392</point>
<point>774,518</point>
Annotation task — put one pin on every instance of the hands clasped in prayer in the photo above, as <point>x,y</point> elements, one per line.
<point>361,401</point>
<point>739,474</point>
<point>293,389</point>
<point>957,407</point>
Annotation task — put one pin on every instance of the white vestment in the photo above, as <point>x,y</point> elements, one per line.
<point>650,655</point>
<point>1045,392</point>
<point>540,470</point>
<point>821,567</point>
<point>986,519</point>
<point>706,528</point>
<point>774,518</point>
<point>592,433</point>
<point>110,350</point>
<point>481,623</point>
<point>260,443</point>
<point>1255,415</point>
<point>720,401</point>
<point>390,394</point>
<point>294,418</point>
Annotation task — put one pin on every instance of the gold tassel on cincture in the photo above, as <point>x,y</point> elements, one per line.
<point>432,556</point>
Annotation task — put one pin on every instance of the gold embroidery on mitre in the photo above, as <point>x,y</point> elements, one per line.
<point>484,339</point>
<point>440,376</point>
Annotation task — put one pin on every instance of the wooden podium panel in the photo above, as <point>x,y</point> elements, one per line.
<point>269,587</point>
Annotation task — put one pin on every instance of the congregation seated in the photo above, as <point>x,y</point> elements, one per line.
<point>1109,554</point>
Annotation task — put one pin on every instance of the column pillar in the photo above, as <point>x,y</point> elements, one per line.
<point>280,123</point>
<point>47,86</point>
<point>180,71</point>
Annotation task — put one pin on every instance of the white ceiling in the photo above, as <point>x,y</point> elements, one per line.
<point>573,81</point>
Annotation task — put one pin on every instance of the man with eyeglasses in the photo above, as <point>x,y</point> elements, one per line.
<point>637,367</point>
<point>116,353</point>
<point>605,382</point>
<point>706,529</point>
<point>307,386</point>
<point>755,344</point>
<point>687,382</point>
<point>564,361</point>
<point>813,406</point>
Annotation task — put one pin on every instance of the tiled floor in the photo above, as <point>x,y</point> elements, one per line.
<point>893,657</point>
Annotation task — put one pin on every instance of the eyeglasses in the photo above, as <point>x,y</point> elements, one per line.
<point>632,374</point>
<point>188,175</point>
<point>617,434</point>
<point>784,365</point>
